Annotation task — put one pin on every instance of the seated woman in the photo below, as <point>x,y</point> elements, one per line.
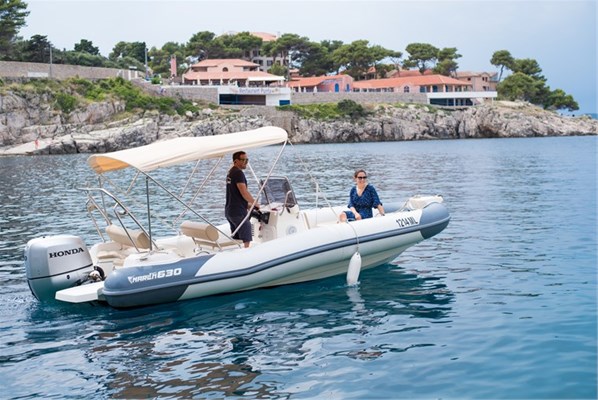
<point>362,198</point>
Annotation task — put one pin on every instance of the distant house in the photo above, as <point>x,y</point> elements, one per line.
<point>413,84</point>
<point>238,82</point>
<point>334,83</point>
<point>439,89</point>
<point>480,81</point>
<point>228,72</point>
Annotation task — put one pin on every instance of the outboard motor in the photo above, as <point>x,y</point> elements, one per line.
<point>53,263</point>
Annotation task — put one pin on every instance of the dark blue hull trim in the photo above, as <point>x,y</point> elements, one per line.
<point>145,285</point>
<point>434,219</point>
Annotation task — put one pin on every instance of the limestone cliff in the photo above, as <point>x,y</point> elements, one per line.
<point>30,125</point>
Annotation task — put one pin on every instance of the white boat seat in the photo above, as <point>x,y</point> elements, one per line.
<point>420,202</point>
<point>109,255</point>
<point>119,235</point>
<point>206,235</point>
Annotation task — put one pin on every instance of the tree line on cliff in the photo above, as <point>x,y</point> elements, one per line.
<point>525,82</point>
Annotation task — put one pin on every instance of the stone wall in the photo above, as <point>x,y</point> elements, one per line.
<point>209,94</point>
<point>19,70</point>
<point>358,97</point>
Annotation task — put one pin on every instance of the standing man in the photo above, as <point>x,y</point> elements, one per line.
<point>238,198</point>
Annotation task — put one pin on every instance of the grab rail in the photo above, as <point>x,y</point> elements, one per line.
<point>125,211</point>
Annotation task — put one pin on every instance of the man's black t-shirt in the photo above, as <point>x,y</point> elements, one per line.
<point>235,203</point>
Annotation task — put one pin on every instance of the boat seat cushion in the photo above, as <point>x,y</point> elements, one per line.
<point>200,231</point>
<point>205,234</point>
<point>119,235</point>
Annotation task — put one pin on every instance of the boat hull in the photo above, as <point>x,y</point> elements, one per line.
<point>315,254</point>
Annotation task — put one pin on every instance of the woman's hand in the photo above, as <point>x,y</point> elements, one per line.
<point>357,216</point>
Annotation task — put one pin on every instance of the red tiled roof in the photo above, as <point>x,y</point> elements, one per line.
<point>266,37</point>
<point>410,72</point>
<point>214,62</point>
<point>312,80</point>
<point>465,74</point>
<point>426,80</point>
<point>231,75</point>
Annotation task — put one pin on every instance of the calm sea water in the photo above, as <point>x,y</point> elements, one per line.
<point>502,304</point>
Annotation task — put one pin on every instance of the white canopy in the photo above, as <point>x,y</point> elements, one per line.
<point>185,149</point>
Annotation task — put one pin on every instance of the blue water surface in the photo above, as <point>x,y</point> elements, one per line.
<point>501,304</point>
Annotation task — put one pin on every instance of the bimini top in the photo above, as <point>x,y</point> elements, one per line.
<point>185,149</point>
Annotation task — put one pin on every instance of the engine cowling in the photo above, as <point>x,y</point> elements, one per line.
<point>53,263</point>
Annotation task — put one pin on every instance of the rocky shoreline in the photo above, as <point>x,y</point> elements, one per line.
<point>31,125</point>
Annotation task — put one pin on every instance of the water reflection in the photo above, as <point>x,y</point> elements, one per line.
<point>239,344</point>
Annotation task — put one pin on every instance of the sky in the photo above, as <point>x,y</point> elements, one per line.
<point>560,35</point>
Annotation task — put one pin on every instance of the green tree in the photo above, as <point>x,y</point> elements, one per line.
<point>382,70</point>
<point>559,100</point>
<point>242,43</point>
<point>134,50</point>
<point>200,45</point>
<point>86,46</point>
<point>288,47</point>
<point>352,109</point>
<point>12,19</point>
<point>277,69</point>
<point>83,58</point>
<point>37,49</point>
<point>447,65</point>
<point>314,62</point>
<point>159,59</point>
<point>317,60</point>
<point>330,47</point>
<point>529,67</point>
<point>358,57</point>
<point>446,68</point>
<point>421,55</point>
<point>396,61</point>
<point>224,47</point>
<point>528,84</point>
<point>502,59</point>
<point>517,86</point>
<point>128,62</point>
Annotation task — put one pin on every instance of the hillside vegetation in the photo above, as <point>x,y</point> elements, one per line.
<point>73,93</point>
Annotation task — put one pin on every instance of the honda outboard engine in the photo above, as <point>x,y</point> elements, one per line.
<point>54,263</point>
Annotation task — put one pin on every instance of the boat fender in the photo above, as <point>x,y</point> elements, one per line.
<point>354,269</point>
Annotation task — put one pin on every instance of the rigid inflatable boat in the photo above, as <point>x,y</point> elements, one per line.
<point>129,267</point>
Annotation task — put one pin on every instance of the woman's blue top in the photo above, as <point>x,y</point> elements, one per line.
<point>364,203</point>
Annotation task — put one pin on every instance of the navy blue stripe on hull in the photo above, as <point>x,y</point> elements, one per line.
<point>152,284</point>
<point>147,297</point>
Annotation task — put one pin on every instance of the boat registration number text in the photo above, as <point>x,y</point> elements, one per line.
<point>404,222</point>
